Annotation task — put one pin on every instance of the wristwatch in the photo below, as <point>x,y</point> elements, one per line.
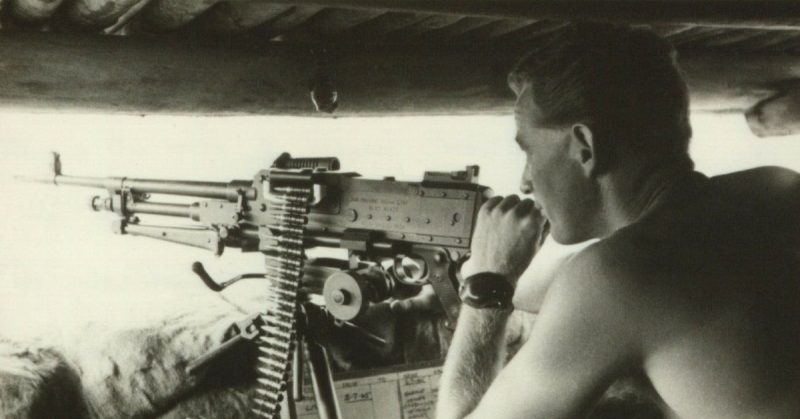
<point>486,290</point>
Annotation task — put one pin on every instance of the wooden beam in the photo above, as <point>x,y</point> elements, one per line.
<point>33,10</point>
<point>231,17</point>
<point>772,14</point>
<point>167,15</point>
<point>96,13</point>
<point>128,74</point>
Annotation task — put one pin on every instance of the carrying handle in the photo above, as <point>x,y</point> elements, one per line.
<point>286,161</point>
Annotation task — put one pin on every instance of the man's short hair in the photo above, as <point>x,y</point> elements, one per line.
<point>624,83</point>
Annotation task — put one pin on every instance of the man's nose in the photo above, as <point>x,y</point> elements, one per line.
<point>525,185</point>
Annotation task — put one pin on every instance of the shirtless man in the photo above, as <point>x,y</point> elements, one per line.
<point>695,283</point>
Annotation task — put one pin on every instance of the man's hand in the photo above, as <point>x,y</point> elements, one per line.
<point>508,233</point>
<point>425,301</point>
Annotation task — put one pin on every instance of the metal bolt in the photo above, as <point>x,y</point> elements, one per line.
<point>421,192</point>
<point>427,221</point>
<point>430,238</point>
<point>263,207</point>
<point>369,216</point>
<point>443,194</point>
<point>408,219</point>
<point>458,241</point>
<point>388,218</point>
<point>339,297</point>
<point>466,195</point>
<point>352,215</point>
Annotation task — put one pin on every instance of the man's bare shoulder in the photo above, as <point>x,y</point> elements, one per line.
<point>623,256</point>
<point>772,189</point>
<point>613,268</point>
<point>771,181</point>
<point>735,214</point>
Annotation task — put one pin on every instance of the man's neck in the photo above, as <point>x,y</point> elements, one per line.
<point>629,195</point>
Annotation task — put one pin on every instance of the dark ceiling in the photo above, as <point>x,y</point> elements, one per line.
<point>742,26</point>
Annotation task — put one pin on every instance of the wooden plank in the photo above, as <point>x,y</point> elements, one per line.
<point>167,15</point>
<point>33,10</point>
<point>288,21</point>
<point>422,26</point>
<point>330,22</point>
<point>126,74</point>
<point>376,29</point>
<point>236,17</point>
<point>96,13</point>
<point>770,15</point>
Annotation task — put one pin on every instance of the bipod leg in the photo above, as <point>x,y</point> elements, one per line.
<point>322,381</point>
<point>288,406</point>
<point>318,364</point>
<point>294,391</point>
<point>298,364</point>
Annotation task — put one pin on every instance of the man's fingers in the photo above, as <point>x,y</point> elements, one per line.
<point>508,202</point>
<point>524,208</point>
<point>491,203</point>
<point>425,301</point>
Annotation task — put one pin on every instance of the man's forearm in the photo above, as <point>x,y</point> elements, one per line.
<point>475,357</point>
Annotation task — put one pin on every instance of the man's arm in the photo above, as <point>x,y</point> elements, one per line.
<point>476,355</point>
<point>585,335</point>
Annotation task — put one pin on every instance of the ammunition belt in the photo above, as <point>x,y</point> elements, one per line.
<point>284,270</point>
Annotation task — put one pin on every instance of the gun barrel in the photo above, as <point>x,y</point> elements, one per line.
<point>216,190</point>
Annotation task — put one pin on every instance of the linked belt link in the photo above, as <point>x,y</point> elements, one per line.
<point>284,264</point>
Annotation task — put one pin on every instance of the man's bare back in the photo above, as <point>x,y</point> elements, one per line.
<point>713,281</point>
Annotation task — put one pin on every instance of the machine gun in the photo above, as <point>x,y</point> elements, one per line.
<point>397,235</point>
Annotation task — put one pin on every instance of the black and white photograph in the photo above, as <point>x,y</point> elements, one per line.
<point>371,209</point>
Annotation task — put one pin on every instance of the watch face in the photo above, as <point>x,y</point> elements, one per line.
<point>486,290</point>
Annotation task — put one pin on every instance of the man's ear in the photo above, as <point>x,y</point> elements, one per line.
<point>516,83</point>
<point>585,149</point>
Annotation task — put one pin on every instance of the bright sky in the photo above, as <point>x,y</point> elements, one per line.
<point>60,266</point>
